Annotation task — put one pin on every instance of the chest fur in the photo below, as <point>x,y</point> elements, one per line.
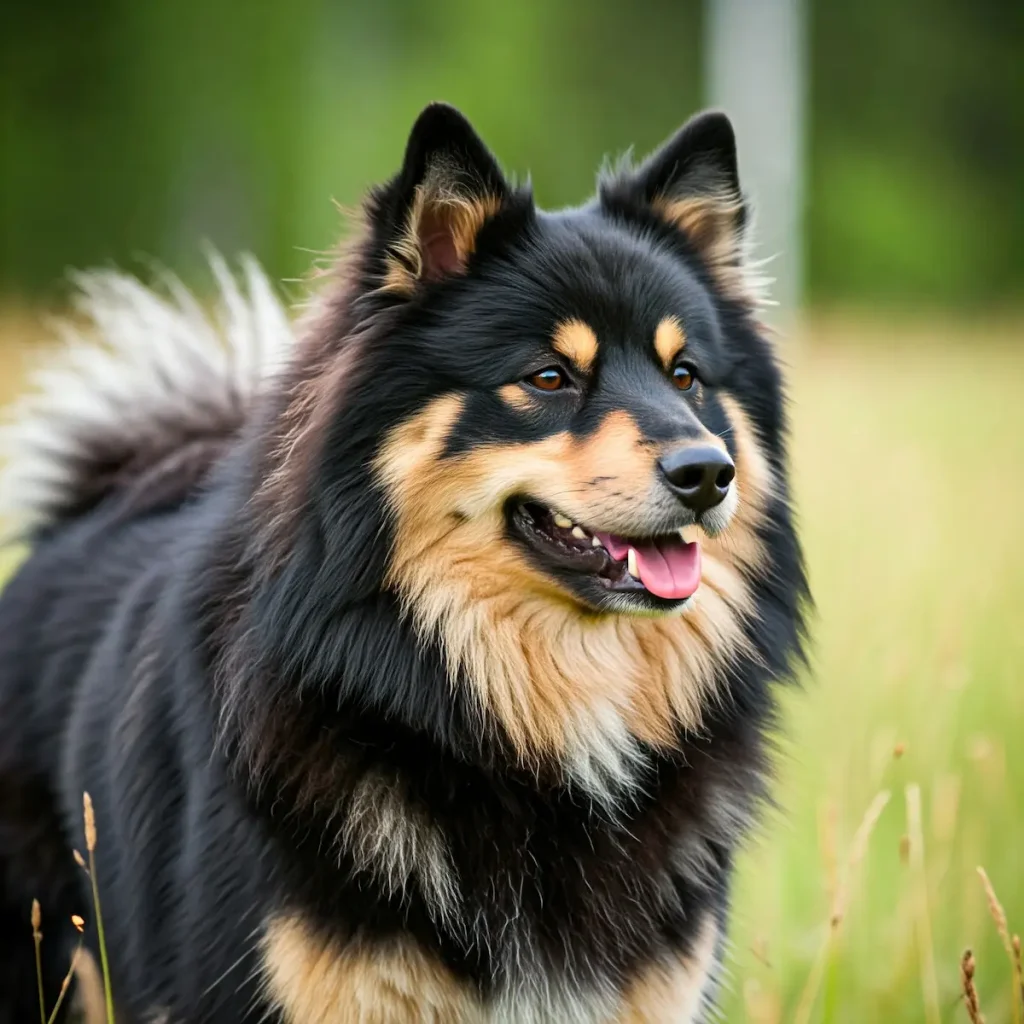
<point>312,979</point>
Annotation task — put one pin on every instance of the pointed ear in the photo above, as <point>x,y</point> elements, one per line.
<point>692,183</point>
<point>426,220</point>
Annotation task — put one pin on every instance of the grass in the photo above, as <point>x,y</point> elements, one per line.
<point>89,823</point>
<point>90,844</point>
<point>909,479</point>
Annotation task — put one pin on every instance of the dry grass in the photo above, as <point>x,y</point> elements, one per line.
<point>909,477</point>
<point>840,902</point>
<point>77,958</point>
<point>922,914</point>
<point>90,845</point>
<point>916,681</point>
<point>970,990</point>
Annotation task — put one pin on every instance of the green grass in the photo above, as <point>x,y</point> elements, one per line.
<point>909,476</point>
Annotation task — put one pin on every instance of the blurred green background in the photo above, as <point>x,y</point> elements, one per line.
<point>139,127</point>
<point>145,128</point>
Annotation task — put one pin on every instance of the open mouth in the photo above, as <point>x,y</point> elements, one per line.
<point>664,567</point>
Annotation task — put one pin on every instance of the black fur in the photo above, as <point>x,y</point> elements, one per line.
<point>219,687</point>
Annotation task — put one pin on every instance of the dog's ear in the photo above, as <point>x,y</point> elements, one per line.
<point>692,182</point>
<point>426,220</point>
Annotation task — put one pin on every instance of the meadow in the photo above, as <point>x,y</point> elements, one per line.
<point>908,455</point>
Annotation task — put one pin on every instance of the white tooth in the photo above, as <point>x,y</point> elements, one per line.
<point>562,521</point>
<point>631,564</point>
<point>579,533</point>
<point>691,534</point>
<point>595,543</point>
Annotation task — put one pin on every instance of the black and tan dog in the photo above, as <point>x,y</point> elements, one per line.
<point>426,675</point>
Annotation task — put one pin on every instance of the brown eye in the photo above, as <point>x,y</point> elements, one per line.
<point>683,377</point>
<point>550,379</point>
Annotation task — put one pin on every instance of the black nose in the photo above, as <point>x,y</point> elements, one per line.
<point>699,474</point>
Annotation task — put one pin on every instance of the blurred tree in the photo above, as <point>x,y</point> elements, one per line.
<point>917,151</point>
<point>143,128</point>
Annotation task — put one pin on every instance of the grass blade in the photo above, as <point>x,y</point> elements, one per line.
<point>37,938</point>
<point>995,908</point>
<point>90,845</point>
<point>65,983</point>
<point>929,979</point>
<point>1018,972</point>
<point>840,904</point>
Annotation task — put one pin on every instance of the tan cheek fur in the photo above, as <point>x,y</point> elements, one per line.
<point>561,680</point>
<point>673,993</point>
<point>515,396</point>
<point>313,980</point>
<point>739,549</point>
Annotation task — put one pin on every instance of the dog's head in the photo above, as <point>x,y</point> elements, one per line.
<point>554,437</point>
<point>572,438</point>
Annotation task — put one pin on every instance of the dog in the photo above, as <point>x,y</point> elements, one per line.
<point>419,657</point>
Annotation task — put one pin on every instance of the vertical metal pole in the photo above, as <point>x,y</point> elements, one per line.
<point>756,72</point>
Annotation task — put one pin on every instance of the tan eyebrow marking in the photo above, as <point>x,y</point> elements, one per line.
<point>669,341</point>
<point>576,341</point>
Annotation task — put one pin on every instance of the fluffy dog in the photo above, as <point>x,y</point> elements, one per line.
<point>419,659</point>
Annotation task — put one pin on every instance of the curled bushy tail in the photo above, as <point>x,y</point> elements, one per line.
<point>148,387</point>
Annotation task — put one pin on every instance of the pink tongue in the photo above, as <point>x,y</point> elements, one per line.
<point>616,546</point>
<point>668,567</point>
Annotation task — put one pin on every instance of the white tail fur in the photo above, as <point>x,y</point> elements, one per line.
<point>140,376</point>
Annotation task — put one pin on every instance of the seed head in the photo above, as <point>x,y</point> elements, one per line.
<point>90,823</point>
<point>904,849</point>
<point>969,989</point>
<point>995,908</point>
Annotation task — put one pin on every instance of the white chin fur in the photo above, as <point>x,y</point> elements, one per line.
<point>718,519</point>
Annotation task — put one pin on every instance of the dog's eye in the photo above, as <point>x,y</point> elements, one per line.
<point>550,379</point>
<point>684,377</point>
